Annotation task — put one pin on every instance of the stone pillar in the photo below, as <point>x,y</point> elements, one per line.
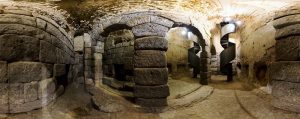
<point>98,50</point>
<point>150,71</point>
<point>285,72</point>
<point>205,72</point>
<point>79,56</point>
<point>89,64</point>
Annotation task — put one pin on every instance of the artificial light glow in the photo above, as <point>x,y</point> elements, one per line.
<point>227,19</point>
<point>190,35</point>
<point>229,28</point>
<point>232,40</point>
<point>238,23</point>
<point>184,32</point>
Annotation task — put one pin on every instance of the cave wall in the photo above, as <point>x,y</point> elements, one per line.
<point>177,54</point>
<point>36,58</point>
<point>255,48</point>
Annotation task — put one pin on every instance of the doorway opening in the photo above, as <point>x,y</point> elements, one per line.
<point>183,59</point>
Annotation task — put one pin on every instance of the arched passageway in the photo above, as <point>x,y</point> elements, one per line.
<point>126,53</point>
<point>134,56</point>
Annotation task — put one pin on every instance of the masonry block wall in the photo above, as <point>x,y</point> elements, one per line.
<point>118,54</point>
<point>36,57</point>
<point>286,70</point>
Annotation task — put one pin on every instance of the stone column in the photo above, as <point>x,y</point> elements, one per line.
<point>150,71</point>
<point>205,72</point>
<point>89,64</point>
<point>285,72</point>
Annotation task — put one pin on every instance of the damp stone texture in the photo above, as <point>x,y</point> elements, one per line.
<point>36,59</point>
<point>286,70</point>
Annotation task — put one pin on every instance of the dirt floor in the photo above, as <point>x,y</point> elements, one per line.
<point>219,100</point>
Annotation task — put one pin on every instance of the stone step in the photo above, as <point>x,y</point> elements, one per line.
<point>120,85</point>
<point>214,69</point>
<point>214,59</point>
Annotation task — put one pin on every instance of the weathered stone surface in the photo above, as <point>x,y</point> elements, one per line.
<point>18,19</point>
<point>292,30</point>
<point>3,71</point>
<point>111,21</point>
<point>160,91</point>
<point>4,97</point>
<point>162,21</point>
<point>88,53</point>
<point>286,21</point>
<point>120,36</point>
<point>41,23</point>
<point>128,63</point>
<point>89,74</point>
<point>61,56</point>
<point>16,93</point>
<point>17,11</point>
<point>290,11</point>
<point>205,68</point>
<point>151,43</point>
<point>59,35</point>
<point>285,105</point>
<point>205,75</point>
<point>46,88</point>
<point>205,54</point>
<point>31,91</point>
<point>29,106</point>
<point>103,102</point>
<point>98,49</point>
<point>150,29</point>
<point>47,52</point>
<point>158,102</point>
<point>205,60</point>
<point>78,44</point>
<point>127,17</point>
<point>285,71</point>
<point>151,76</point>
<point>288,49</point>
<point>150,59</point>
<point>25,107</point>
<point>89,62</point>
<point>138,20</point>
<point>25,72</point>
<point>87,40</point>
<point>19,47</point>
<point>286,95</point>
<point>19,29</point>
<point>59,69</point>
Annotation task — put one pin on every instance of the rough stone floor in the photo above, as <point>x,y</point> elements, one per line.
<point>205,103</point>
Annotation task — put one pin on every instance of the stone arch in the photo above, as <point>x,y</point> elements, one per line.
<point>36,58</point>
<point>149,61</point>
<point>205,53</point>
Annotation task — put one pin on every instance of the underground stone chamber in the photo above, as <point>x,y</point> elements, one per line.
<point>133,55</point>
